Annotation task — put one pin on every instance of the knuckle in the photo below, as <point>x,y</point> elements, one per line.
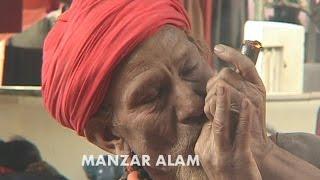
<point>211,82</point>
<point>218,80</point>
<point>247,68</point>
<point>207,110</point>
<point>244,123</point>
<point>244,114</point>
<point>221,83</point>
<point>220,107</point>
<point>207,99</point>
<point>225,72</point>
<point>218,126</point>
<point>212,109</point>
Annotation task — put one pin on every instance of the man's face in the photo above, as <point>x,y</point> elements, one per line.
<point>158,96</point>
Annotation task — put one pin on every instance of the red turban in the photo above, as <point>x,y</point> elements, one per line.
<point>88,42</point>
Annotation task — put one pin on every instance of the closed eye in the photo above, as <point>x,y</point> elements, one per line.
<point>188,70</point>
<point>189,73</point>
<point>148,89</point>
<point>149,96</point>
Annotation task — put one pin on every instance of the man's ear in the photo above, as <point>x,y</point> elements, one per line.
<point>99,131</point>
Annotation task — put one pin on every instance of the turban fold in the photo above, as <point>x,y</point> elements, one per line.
<point>88,42</point>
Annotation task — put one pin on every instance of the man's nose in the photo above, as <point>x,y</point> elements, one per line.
<point>188,104</point>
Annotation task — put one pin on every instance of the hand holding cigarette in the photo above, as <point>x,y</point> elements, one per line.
<point>244,84</point>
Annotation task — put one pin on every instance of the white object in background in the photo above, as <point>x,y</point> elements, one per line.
<point>2,55</point>
<point>280,64</point>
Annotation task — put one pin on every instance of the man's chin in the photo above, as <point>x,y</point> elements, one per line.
<point>188,136</point>
<point>195,134</point>
<point>191,172</point>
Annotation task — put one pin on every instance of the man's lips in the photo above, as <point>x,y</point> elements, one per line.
<point>199,120</point>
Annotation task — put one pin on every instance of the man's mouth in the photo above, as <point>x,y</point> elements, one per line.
<point>196,120</point>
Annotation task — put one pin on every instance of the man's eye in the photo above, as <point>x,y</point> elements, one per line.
<point>149,96</point>
<point>188,72</point>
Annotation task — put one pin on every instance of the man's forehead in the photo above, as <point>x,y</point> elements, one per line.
<point>160,47</point>
<point>163,41</point>
<point>168,36</point>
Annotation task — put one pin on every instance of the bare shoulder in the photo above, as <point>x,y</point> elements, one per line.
<point>304,145</point>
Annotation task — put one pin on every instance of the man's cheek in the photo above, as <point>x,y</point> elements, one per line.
<point>161,130</point>
<point>157,128</point>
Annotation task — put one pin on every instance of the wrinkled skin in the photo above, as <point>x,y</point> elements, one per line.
<point>158,108</point>
<point>244,84</point>
<point>226,154</point>
<point>161,99</point>
<point>159,104</point>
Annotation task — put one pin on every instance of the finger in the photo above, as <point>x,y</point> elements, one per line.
<point>229,76</point>
<point>207,111</point>
<point>235,102</point>
<point>242,138</point>
<point>211,81</point>
<point>241,62</point>
<point>209,100</point>
<point>221,122</point>
<point>232,78</point>
<point>211,93</point>
<point>212,105</point>
<point>204,138</point>
<point>235,80</point>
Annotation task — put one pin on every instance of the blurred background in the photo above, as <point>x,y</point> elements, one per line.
<point>289,65</point>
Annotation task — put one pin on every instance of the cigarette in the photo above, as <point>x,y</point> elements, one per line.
<point>251,49</point>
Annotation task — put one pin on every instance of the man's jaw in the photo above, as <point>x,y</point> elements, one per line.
<point>191,172</point>
<point>179,173</point>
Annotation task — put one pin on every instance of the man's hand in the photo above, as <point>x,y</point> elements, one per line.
<point>245,83</point>
<point>223,154</point>
<point>273,162</point>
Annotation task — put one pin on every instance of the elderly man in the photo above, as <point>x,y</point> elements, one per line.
<point>127,75</point>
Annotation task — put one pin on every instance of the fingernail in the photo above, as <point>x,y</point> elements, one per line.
<point>218,49</point>
<point>220,91</point>
<point>244,104</point>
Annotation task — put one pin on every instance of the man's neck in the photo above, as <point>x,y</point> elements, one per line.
<point>180,173</point>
